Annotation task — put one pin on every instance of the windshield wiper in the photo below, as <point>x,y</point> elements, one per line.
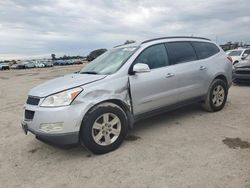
<point>89,72</point>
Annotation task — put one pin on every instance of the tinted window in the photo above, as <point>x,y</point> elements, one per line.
<point>180,52</point>
<point>205,49</point>
<point>154,56</point>
<point>247,52</point>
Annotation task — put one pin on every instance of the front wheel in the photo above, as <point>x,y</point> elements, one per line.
<point>104,128</point>
<point>216,97</point>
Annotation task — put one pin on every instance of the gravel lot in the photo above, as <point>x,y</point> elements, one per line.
<point>183,148</point>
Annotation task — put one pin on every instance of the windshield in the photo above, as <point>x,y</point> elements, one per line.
<point>235,53</point>
<point>109,62</point>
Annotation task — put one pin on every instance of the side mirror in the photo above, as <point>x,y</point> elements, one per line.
<point>141,67</point>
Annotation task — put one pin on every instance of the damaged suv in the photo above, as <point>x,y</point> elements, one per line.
<point>97,106</point>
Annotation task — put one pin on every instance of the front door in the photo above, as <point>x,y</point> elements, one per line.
<point>157,88</point>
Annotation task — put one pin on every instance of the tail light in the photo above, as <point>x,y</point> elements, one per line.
<point>230,59</point>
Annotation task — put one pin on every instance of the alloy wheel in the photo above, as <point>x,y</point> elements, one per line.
<point>218,96</point>
<point>106,129</point>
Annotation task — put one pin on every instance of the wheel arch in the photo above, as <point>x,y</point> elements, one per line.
<point>207,103</point>
<point>222,77</point>
<point>125,107</point>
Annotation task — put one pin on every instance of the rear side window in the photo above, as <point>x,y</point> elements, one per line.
<point>154,56</point>
<point>205,49</point>
<point>180,52</point>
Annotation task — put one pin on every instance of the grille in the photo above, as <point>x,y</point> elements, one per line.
<point>29,115</point>
<point>33,100</point>
<point>242,71</point>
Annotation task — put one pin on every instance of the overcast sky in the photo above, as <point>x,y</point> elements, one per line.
<point>72,27</point>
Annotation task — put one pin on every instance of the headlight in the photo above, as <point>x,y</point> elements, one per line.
<point>63,98</point>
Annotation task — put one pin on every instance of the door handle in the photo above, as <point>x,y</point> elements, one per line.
<point>169,75</point>
<point>203,68</point>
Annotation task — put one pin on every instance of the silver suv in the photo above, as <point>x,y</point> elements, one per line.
<point>97,106</point>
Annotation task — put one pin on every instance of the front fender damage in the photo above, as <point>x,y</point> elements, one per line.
<point>117,92</point>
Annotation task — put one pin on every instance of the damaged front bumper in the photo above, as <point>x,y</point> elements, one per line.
<point>61,139</point>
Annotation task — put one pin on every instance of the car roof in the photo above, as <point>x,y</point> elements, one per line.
<point>164,39</point>
<point>175,37</point>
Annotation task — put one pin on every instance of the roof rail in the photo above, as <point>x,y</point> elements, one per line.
<point>119,45</point>
<point>150,40</point>
<point>126,43</point>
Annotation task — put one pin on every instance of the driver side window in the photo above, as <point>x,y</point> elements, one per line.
<point>154,56</point>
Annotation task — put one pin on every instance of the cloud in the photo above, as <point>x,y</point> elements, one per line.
<point>38,27</point>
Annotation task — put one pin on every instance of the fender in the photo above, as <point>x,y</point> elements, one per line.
<point>94,96</point>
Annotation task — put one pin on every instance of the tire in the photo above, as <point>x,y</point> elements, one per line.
<point>216,96</point>
<point>97,127</point>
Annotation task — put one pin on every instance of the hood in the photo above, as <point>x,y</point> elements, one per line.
<point>243,64</point>
<point>63,83</point>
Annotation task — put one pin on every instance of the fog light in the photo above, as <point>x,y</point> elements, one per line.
<point>51,127</point>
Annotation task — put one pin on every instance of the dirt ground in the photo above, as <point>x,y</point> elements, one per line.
<point>183,148</point>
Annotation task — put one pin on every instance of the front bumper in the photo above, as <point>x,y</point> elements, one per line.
<point>70,117</point>
<point>61,139</point>
<point>241,77</point>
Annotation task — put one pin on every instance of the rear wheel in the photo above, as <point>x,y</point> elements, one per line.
<point>104,128</point>
<point>216,97</point>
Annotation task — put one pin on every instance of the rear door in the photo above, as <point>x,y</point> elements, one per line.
<point>191,72</point>
<point>157,88</point>
<point>206,53</point>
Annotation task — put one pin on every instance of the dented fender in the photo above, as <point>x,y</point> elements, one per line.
<point>106,90</point>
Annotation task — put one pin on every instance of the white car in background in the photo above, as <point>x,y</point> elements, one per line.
<point>238,54</point>
<point>38,64</point>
